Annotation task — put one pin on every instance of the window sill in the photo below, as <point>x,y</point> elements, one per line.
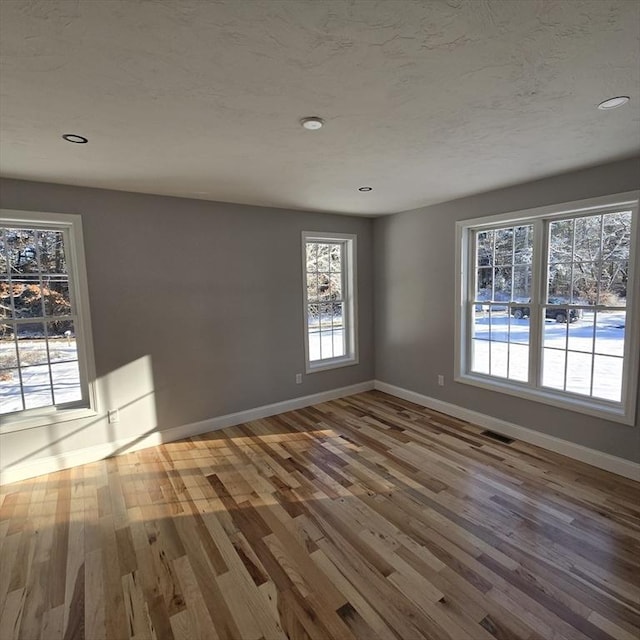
<point>334,363</point>
<point>11,424</point>
<point>614,412</point>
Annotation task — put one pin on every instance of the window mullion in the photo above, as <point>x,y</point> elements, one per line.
<point>470,266</point>
<point>539,269</point>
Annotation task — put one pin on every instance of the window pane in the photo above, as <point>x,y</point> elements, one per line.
<point>337,308</point>
<point>30,331</point>
<point>23,256</point>
<point>52,255</point>
<point>560,314</point>
<point>499,320</point>
<point>312,256</point>
<point>480,356</point>
<point>57,301</point>
<point>581,334</point>
<point>338,343</point>
<point>484,248</point>
<point>579,372</point>
<point>559,281</point>
<point>312,287</point>
<point>522,283</point>
<point>336,286</point>
<point>613,284</point>
<point>27,298</point>
<point>523,237</point>
<point>324,287</point>
<point>32,351</point>
<point>323,257</point>
<point>504,246</point>
<point>314,345</point>
<point>561,241</point>
<point>610,332</point>
<point>607,378</point>
<point>8,355</point>
<point>335,263</point>
<point>585,283</point>
<point>480,322</point>
<point>66,382</point>
<point>555,334</point>
<point>313,316</point>
<point>499,354</point>
<point>10,397</point>
<point>36,385</point>
<point>326,344</point>
<point>587,240</point>
<point>484,284</point>
<point>502,283</point>
<point>3,256</point>
<point>553,368</point>
<point>519,362</point>
<point>326,315</point>
<point>62,341</point>
<point>616,237</point>
<point>5,298</point>
<point>519,326</point>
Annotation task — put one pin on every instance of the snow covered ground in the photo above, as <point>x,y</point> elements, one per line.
<point>326,344</point>
<point>41,387</point>
<point>596,341</point>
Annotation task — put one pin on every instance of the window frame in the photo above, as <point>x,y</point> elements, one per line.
<point>350,311</point>
<point>71,227</point>
<point>623,412</point>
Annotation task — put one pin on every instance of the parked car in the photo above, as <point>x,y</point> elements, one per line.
<point>551,313</point>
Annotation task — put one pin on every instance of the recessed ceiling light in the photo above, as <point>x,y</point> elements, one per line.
<point>365,188</point>
<point>75,138</point>
<point>312,124</point>
<point>613,103</point>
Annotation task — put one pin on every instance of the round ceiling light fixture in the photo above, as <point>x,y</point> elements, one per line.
<point>365,188</point>
<point>613,103</point>
<point>75,138</point>
<point>313,123</point>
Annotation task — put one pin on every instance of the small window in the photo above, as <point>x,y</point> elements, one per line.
<point>329,300</point>
<point>547,311</point>
<point>44,347</point>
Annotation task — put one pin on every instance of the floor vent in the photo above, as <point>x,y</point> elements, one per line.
<point>497,436</point>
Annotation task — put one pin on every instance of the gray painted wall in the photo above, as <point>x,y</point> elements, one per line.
<point>414,271</point>
<point>196,310</point>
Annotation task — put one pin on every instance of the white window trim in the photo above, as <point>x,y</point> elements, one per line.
<point>624,412</point>
<point>72,223</point>
<point>350,301</point>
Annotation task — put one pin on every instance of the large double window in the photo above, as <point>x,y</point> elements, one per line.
<point>329,300</point>
<point>44,347</point>
<point>547,306</point>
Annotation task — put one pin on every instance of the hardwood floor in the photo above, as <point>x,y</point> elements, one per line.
<point>367,517</point>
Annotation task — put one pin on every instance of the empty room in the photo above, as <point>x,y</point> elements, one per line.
<point>319,319</point>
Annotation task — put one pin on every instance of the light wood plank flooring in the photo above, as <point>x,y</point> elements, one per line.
<point>367,517</point>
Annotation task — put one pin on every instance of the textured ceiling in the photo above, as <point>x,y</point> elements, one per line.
<point>423,101</point>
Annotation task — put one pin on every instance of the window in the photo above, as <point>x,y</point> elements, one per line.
<point>547,308</point>
<point>45,361</point>
<point>329,300</point>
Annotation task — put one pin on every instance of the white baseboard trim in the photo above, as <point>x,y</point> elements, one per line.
<point>599,459</point>
<point>50,464</point>
<point>231,419</point>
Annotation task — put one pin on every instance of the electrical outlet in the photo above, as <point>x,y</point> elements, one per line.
<point>440,380</point>
<point>114,416</point>
<point>298,378</point>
